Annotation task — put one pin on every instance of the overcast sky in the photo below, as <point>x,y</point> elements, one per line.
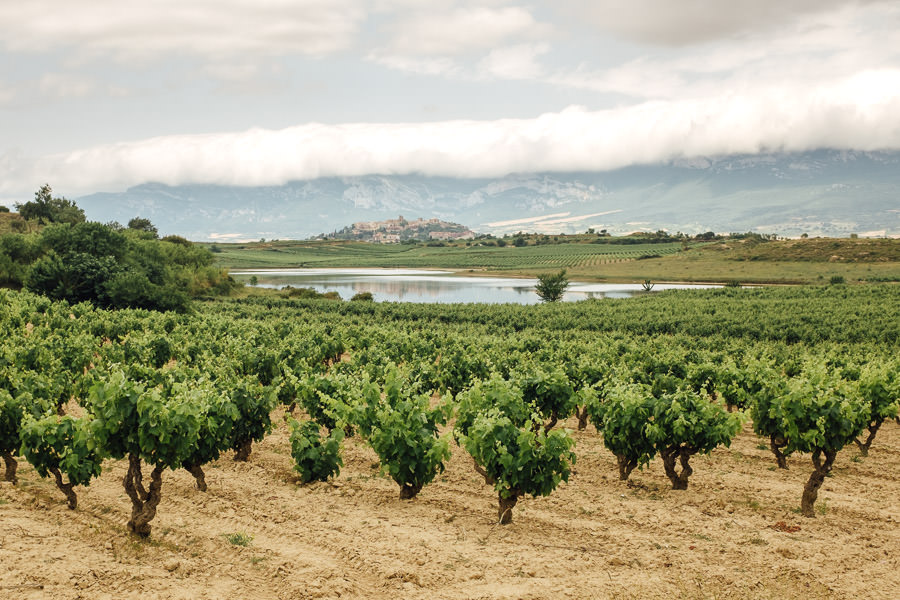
<point>99,95</point>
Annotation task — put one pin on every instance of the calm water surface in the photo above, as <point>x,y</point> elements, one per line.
<point>411,285</point>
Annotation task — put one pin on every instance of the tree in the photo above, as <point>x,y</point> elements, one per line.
<point>768,388</point>
<point>141,224</point>
<point>552,286</point>
<point>46,209</point>
<point>216,425</point>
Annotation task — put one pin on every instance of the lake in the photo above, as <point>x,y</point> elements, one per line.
<point>415,285</point>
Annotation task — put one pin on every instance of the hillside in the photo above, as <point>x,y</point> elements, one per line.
<point>12,222</point>
<point>812,250</point>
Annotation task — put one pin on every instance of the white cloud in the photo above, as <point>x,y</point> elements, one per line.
<point>461,30</point>
<point>514,62</point>
<point>129,29</point>
<point>62,85</point>
<point>683,22</point>
<point>434,39</point>
<point>825,46</point>
<point>421,65</point>
<point>861,112</point>
<point>55,86</point>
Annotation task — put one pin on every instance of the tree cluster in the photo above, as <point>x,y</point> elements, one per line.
<point>78,261</point>
<point>46,209</point>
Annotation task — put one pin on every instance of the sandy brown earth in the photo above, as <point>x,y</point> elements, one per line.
<point>734,534</point>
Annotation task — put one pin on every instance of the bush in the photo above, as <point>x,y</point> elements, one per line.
<point>511,448</point>
<point>159,426</point>
<point>111,268</point>
<point>254,403</point>
<point>685,423</point>
<point>518,461</point>
<point>816,412</point>
<point>316,457</point>
<point>60,446</point>
<point>402,429</point>
<point>12,411</point>
<point>879,383</point>
<point>622,420</point>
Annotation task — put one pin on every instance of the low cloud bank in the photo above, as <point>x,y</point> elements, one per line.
<point>858,113</point>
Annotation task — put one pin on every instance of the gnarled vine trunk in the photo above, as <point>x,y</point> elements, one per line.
<point>626,466</point>
<point>554,419</point>
<point>11,466</point>
<point>199,476</point>
<point>683,455</point>
<point>864,446</point>
<point>143,501</point>
<point>65,488</point>
<point>811,490</point>
<point>408,492</point>
<point>480,470</point>
<point>242,452</point>
<point>506,505</point>
<point>582,415</point>
<point>776,443</point>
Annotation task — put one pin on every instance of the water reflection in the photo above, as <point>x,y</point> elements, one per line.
<point>411,285</point>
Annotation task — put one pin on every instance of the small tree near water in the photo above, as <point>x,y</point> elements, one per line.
<point>552,286</point>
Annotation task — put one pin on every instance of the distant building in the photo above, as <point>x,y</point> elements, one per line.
<point>365,226</point>
<point>386,238</point>
<point>392,231</point>
<point>451,235</point>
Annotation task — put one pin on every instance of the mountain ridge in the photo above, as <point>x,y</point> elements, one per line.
<point>835,193</point>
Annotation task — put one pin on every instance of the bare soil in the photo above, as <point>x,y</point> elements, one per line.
<point>734,533</point>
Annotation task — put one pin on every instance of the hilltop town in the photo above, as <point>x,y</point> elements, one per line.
<point>394,231</point>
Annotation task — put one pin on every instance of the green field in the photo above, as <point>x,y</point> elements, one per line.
<point>744,261</point>
<point>358,254</point>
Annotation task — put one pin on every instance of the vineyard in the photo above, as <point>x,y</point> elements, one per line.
<point>730,443</point>
<point>319,254</point>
